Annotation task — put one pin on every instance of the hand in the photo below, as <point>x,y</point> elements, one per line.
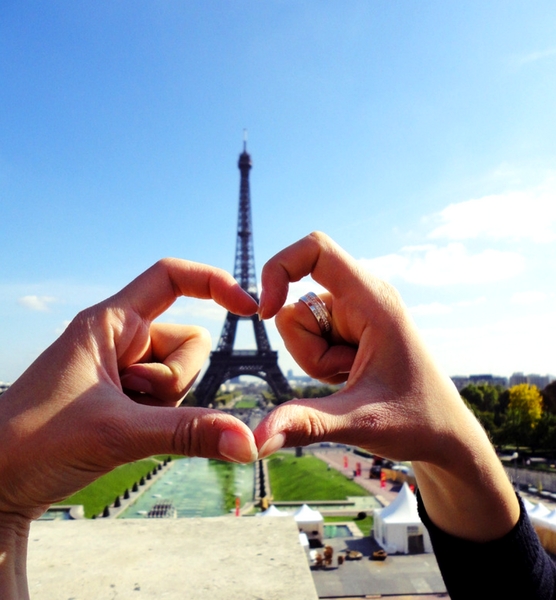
<point>396,402</point>
<point>391,381</point>
<point>68,419</point>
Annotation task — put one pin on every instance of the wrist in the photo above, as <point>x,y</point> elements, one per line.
<point>14,533</point>
<point>466,491</point>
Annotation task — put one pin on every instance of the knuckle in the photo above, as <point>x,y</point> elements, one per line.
<point>306,426</point>
<point>175,388</point>
<point>315,426</point>
<point>203,337</point>
<point>189,438</point>
<point>284,317</point>
<point>164,263</point>
<point>319,238</point>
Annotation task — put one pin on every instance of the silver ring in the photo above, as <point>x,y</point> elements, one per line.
<point>319,310</point>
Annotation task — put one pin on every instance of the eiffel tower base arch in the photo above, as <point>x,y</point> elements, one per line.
<point>228,365</point>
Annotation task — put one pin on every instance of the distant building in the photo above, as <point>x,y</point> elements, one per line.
<point>488,379</point>
<point>541,381</point>
<point>461,381</point>
<point>518,378</point>
<point>302,380</point>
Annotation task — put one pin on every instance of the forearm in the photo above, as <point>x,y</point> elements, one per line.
<point>467,493</point>
<point>14,532</point>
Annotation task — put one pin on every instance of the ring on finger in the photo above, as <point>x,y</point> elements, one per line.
<point>319,310</point>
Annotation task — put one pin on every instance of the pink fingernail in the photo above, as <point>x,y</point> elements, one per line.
<point>237,447</point>
<point>272,445</point>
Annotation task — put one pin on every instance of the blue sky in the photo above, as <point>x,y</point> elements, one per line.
<point>420,136</point>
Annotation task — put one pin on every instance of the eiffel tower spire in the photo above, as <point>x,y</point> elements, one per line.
<point>225,362</point>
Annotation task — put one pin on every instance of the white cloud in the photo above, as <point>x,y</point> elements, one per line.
<point>448,265</point>
<point>434,308</point>
<point>300,288</point>
<point>37,303</point>
<point>193,308</point>
<point>536,56</point>
<point>437,308</point>
<point>511,343</point>
<point>529,214</point>
<point>468,303</point>
<point>527,298</point>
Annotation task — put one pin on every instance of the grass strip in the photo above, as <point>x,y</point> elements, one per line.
<point>308,478</point>
<point>104,490</point>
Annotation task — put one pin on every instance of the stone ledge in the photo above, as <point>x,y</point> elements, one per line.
<point>217,558</point>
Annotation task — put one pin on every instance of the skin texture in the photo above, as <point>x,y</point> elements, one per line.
<point>68,419</point>
<point>396,402</point>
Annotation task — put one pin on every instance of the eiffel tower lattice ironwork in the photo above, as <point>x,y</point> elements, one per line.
<point>225,362</point>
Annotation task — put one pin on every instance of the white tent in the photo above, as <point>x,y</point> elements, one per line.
<point>544,522</point>
<point>398,528</point>
<point>528,505</point>
<point>538,512</point>
<point>549,521</point>
<point>311,522</point>
<point>272,511</point>
<point>304,543</point>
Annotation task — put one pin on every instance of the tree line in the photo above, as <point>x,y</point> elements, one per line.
<point>519,417</point>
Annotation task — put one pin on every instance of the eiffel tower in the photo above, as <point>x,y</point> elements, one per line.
<point>225,362</point>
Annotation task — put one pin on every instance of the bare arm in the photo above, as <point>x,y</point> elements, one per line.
<point>396,401</point>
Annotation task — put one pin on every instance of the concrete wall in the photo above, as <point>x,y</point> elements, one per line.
<point>222,558</point>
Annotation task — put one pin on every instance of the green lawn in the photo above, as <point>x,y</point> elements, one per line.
<point>308,478</point>
<point>364,525</point>
<point>104,490</point>
<point>247,403</point>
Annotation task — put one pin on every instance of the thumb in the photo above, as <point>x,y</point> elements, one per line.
<point>303,422</point>
<point>147,431</point>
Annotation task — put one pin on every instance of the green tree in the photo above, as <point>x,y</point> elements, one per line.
<point>316,391</point>
<point>523,414</point>
<point>527,401</point>
<point>549,398</point>
<point>484,397</point>
<point>544,435</point>
<point>484,401</point>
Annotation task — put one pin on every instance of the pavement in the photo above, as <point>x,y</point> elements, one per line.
<point>409,575</point>
<point>335,458</point>
<point>399,577</point>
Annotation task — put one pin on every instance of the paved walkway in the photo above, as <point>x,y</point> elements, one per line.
<point>403,577</point>
<point>335,458</point>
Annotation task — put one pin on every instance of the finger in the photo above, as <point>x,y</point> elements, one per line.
<point>141,431</point>
<point>316,255</point>
<point>303,340</point>
<point>303,422</point>
<point>155,290</point>
<point>173,362</point>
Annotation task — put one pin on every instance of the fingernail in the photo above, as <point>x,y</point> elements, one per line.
<point>237,447</point>
<point>137,384</point>
<point>272,445</point>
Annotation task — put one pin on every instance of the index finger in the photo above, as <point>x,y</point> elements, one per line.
<point>316,255</point>
<point>152,292</point>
